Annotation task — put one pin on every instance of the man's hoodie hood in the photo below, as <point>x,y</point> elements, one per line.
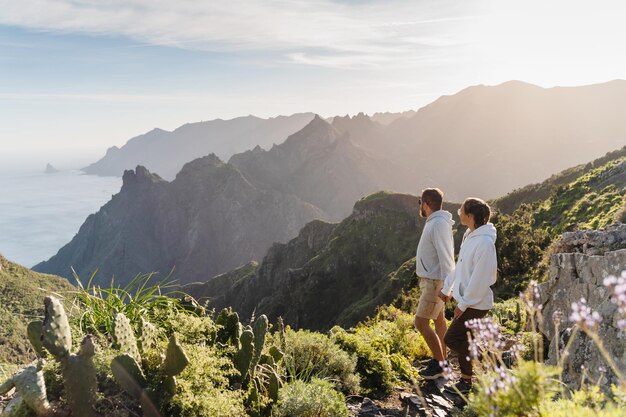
<point>488,230</point>
<point>442,214</point>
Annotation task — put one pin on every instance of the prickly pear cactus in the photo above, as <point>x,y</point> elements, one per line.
<point>276,354</point>
<point>124,336</point>
<point>34,330</point>
<point>128,375</point>
<point>231,329</point>
<point>79,380</point>
<point>261,325</point>
<point>281,332</point>
<point>176,359</point>
<point>57,336</point>
<point>244,356</point>
<point>31,389</point>
<point>274,386</point>
<point>148,336</point>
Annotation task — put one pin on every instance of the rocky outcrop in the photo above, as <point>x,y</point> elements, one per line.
<point>577,271</point>
<point>50,169</point>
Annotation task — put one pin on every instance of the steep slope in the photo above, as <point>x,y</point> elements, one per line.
<point>209,220</point>
<point>488,140</point>
<point>324,166</point>
<point>331,273</point>
<point>21,300</point>
<point>541,191</point>
<point>166,152</point>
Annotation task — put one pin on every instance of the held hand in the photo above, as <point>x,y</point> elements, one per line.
<point>457,313</point>
<point>444,298</point>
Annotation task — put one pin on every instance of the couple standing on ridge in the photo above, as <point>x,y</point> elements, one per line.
<point>439,280</point>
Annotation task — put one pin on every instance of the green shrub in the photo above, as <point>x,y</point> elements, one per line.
<point>192,329</point>
<point>385,346</point>
<point>510,315</point>
<point>309,354</point>
<point>393,331</point>
<point>374,366</point>
<point>534,383</point>
<point>316,398</point>
<point>203,386</point>
<point>533,343</point>
<point>589,401</point>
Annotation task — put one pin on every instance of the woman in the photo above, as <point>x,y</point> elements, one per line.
<point>470,282</point>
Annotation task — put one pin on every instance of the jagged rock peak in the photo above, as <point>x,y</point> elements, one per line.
<point>50,169</point>
<point>139,176</point>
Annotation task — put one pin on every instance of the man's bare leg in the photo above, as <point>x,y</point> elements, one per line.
<point>430,337</point>
<point>441,327</point>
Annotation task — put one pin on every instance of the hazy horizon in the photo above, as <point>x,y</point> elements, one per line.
<point>84,76</point>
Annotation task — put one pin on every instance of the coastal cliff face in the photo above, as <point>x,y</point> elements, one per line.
<point>582,261</point>
<point>209,220</point>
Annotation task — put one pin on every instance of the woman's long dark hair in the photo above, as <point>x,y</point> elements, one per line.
<point>480,211</point>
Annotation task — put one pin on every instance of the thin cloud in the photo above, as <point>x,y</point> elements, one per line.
<point>363,34</point>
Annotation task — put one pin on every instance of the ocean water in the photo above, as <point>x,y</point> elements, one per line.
<point>39,213</point>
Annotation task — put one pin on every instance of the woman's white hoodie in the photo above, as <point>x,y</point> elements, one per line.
<point>476,270</point>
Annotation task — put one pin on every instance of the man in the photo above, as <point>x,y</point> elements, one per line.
<point>434,261</point>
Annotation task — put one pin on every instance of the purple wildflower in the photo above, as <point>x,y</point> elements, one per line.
<point>486,337</point>
<point>584,316</point>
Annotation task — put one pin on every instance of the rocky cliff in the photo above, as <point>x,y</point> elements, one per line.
<point>577,270</point>
<point>209,220</point>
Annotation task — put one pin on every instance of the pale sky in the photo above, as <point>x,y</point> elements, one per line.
<point>78,76</point>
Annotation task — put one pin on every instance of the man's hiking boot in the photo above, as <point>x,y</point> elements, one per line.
<point>432,371</point>
<point>462,387</point>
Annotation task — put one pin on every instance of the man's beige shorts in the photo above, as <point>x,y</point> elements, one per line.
<point>430,305</point>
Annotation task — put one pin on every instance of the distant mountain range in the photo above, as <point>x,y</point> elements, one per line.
<point>215,215</point>
<point>166,152</point>
<point>484,140</point>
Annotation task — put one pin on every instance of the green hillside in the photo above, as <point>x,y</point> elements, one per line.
<point>538,192</point>
<point>588,196</point>
<point>21,300</point>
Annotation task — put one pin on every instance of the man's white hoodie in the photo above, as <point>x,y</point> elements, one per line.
<point>476,270</point>
<point>435,251</point>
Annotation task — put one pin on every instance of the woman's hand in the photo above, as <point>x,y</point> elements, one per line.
<point>457,313</point>
<point>444,298</point>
